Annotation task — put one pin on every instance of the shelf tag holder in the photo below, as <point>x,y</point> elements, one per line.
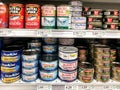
<point>44,87</point>
<point>71,87</point>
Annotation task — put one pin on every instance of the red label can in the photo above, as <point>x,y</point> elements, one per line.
<point>3,15</point>
<point>16,15</point>
<point>32,16</point>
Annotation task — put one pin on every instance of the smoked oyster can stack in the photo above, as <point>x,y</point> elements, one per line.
<point>49,61</point>
<point>29,65</point>
<point>95,19</point>
<point>115,71</point>
<point>77,21</point>
<point>10,64</point>
<point>68,61</point>
<point>111,19</point>
<point>32,16</point>
<point>48,17</point>
<point>16,15</point>
<point>63,12</point>
<point>85,72</point>
<point>102,63</point>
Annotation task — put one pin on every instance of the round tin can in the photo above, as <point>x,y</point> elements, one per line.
<point>29,71</point>
<point>78,20</point>
<point>49,49</point>
<point>95,19</point>
<point>68,65</point>
<point>76,13</point>
<point>16,15</point>
<point>67,76</point>
<point>85,69</point>
<point>66,41</point>
<point>86,79</point>
<point>109,19</point>
<point>78,26</point>
<point>30,55</point>
<point>76,8</point>
<point>3,15</point>
<point>112,12</point>
<point>10,77</point>
<point>68,53</point>
<point>29,78</point>
<point>63,12</point>
<point>76,3</point>
<point>95,12</point>
<point>49,40</point>
<point>48,16</point>
<point>32,16</point>
<point>29,64</point>
<point>49,62</point>
<point>48,75</point>
<point>105,78</point>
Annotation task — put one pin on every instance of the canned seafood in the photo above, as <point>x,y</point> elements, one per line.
<point>16,15</point>
<point>112,12</point>
<point>110,26</point>
<point>76,3</point>
<point>95,12</point>
<point>66,41</point>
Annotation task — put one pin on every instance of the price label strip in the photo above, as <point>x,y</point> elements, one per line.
<point>87,87</point>
<point>44,87</point>
<point>99,34</point>
<point>5,32</point>
<point>110,87</point>
<point>39,33</point>
<point>79,33</point>
<point>71,87</point>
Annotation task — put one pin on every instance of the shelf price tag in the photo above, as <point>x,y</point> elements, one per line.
<point>99,33</point>
<point>87,87</point>
<point>79,33</point>
<point>5,32</point>
<point>110,87</point>
<point>39,33</point>
<point>71,87</point>
<point>44,87</point>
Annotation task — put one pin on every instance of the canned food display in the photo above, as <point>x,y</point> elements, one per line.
<point>16,15</point>
<point>32,16</point>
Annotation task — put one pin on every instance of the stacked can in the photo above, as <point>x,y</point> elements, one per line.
<point>32,16</point>
<point>29,65</point>
<point>115,74</point>
<point>111,19</point>
<point>95,19</point>
<point>85,72</point>
<point>68,63</point>
<point>10,64</point>
<point>49,61</point>
<point>48,17</point>
<point>66,41</point>
<point>113,54</point>
<point>102,63</point>
<point>76,19</point>
<point>82,53</point>
<point>63,12</point>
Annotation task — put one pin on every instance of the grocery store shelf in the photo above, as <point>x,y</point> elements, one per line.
<point>102,1</point>
<point>59,82</point>
<point>57,33</point>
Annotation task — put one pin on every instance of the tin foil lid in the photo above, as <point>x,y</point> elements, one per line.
<point>68,49</point>
<point>30,52</point>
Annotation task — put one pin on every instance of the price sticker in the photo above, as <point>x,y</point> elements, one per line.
<point>39,33</point>
<point>5,32</point>
<point>87,87</point>
<point>79,33</point>
<point>99,33</point>
<point>44,87</point>
<point>71,87</point>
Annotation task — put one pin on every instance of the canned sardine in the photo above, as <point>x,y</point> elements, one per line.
<point>78,26</point>
<point>76,13</point>
<point>66,41</point>
<point>94,19</point>
<point>76,8</point>
<point>16,15</point>
<point>112,12</point>
<point>81,20</point>
<point>76,3</point>
<point>29,71</point>
<point>95,12</point>
<point>68,53</point>
<point>29,64</point>
<point>32,16</point>
<point>110,26</point>
<point>3,15</point>
<point>95,26</point>
<point>108,19</point>
<point>49,40</point>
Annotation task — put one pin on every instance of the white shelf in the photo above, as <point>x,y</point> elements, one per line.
<point>56,33</point>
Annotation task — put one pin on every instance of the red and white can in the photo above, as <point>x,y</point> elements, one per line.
<point>32,16</point>
<point>16,15</point>
<point>3,15</point>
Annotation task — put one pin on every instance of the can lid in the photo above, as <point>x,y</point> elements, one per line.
<point>30,52</point>
<point>68,49</point>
